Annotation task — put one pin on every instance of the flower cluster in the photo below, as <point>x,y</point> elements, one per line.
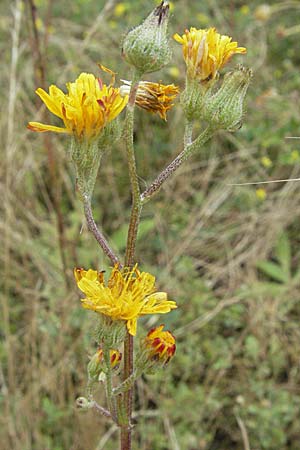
<point>88,111</point>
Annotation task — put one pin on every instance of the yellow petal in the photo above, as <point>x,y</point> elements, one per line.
<point>131,326</point>
<point>41,127</point>
<point>52,103</point>
<point>90,288</point>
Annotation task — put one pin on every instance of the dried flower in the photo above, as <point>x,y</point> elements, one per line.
<point>205,52</point>
<point>128,295</point>
<point>153,97</point>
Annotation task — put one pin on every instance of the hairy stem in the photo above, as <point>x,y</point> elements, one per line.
<point>101,410</point>
<point>135,189</point>
<point>96,232</point>
<point>189,150</point>
<point>130,250</point>
<point>188,133</point>
<point>109,388</point>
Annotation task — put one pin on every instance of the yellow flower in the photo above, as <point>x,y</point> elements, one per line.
<point>127,295</point>
<point>120,9</point>
<point>160,345</point>
<point>266,161</point>
<point>85,110</point>
<point>261,194</point>
<point>206,51</point>
<point>153,97</point>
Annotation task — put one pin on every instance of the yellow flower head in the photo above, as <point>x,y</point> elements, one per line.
<point>206,51</point>
<point>153,97</point>
<point>85,110</point>
<point>115,357</point>
<point>126,296</point>
<point>160,345</point>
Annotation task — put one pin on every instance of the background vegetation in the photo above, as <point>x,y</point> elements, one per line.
<point>228,255</point>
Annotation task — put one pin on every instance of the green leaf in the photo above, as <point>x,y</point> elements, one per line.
<point>283,253</point>
<point>252,347</point>
<point>274,271</point>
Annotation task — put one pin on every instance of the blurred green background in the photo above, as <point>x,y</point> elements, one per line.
<point>228,255</point>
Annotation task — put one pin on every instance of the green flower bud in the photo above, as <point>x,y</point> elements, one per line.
<point>146,47</point>
<point>224,109</point>
<point>192,99</point>
<point>97,364</point>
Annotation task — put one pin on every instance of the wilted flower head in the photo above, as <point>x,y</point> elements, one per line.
<point>160,345</point>
<point>206,52</point>
<point>153,97</point>
<point>85,110</point>
<point>127,295</point>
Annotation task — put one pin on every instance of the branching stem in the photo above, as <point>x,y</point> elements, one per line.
<point>101,410</point>
<point>96,232</point>
<point>176,163</point>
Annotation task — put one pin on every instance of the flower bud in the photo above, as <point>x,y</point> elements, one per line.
<point>159,346</point>
<point>146,47</point>
<point>224,109</point>
<point>83,403</point>
<point>97,363</point>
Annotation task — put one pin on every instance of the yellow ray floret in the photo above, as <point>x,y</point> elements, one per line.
<point>126,296</point>
<point>206,51</point>
<point>85,110</point>
<point>153,97</point>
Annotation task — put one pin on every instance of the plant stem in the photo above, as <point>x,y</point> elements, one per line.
<point>135,189</point>
<point>110,398</point>
<point>96,232</point>
<point>189,150</point>
<point>101,410</point>
<point>130,249</point>
<point>188,133</point>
